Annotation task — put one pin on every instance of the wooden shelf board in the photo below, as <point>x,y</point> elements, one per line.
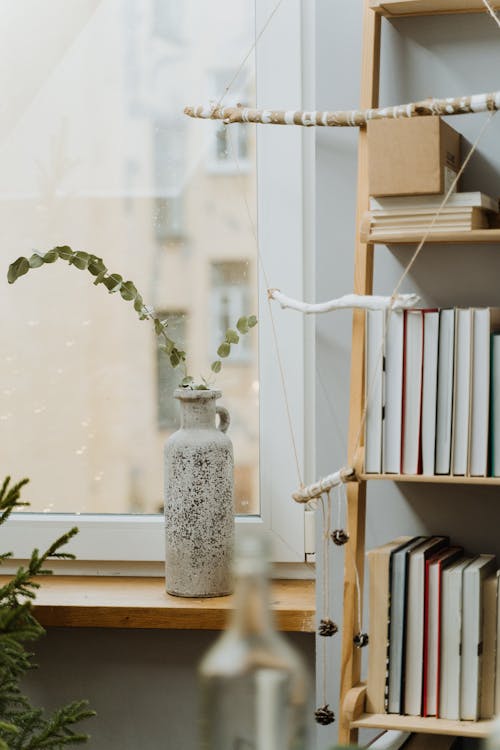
<point>436,479</point>
<point>429,725</point>
<point>129,602</point>
<point>398,8</point>
<point>474,236</point>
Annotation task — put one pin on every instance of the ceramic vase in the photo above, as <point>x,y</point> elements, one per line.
<point>199,513</point>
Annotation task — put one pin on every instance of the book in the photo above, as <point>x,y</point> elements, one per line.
<point>414,202</point>
<point>393,398</point>
<point>375,320</point>
<point>451,639</point>
<point>397,623</point>
<point>429,390</point>
<point>430,742</point>
<point>489,656</point>
<point>485,321</point>
<point>412,391</point>
<point>379,588</point>
<point>462,391</point>
<point>444,410</point>
<point>472,633</point>
<point>495,406</point>
<point>415,622</point>
<point>434,567</point>
<point>393,739</point>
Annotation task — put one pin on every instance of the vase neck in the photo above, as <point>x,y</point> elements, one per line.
<point>198,413</point>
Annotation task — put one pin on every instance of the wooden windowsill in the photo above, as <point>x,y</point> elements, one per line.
<point>116,602</point>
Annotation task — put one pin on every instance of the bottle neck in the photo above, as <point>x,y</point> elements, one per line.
<point>198,414</point>
<point>252,615</point>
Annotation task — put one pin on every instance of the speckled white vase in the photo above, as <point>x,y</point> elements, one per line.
<point>199,512</point>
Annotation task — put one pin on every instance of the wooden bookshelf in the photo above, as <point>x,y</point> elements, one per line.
<point>429,725</point>
<point>433,479</point>
<point>474,236</point>
<point>399,8</point>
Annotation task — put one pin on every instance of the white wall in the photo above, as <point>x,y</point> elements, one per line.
<point>439,56</point>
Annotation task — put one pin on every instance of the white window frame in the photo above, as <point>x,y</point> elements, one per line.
<point>285,168</point>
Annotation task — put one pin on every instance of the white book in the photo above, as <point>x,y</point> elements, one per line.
<point>391,451</point>
<point>485,321</point>
<point>375,322</point>
<point>462,391</point>
<point>472,634</point>
<point>429,390</point>
<point>415,623</point>
<point>495,406</point>
<point>412,390</point>
<point>393,739</point>
<point>407,202</point>
<point>444,410</point>
<point>451,639</point>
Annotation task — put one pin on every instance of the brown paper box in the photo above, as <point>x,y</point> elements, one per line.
<point>415,156</point>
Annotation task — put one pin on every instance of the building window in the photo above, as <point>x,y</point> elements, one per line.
<point>229,148</point>
<point>230,300</point>
<point>167,376</point>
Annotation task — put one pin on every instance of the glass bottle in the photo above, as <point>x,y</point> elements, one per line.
<point>255,687</point>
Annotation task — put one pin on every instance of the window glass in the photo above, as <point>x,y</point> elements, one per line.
<point>97,154</point>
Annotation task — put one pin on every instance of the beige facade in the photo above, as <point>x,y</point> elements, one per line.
<point>101,158</point>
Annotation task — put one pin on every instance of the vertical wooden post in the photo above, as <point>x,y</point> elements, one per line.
<point>363,282</point>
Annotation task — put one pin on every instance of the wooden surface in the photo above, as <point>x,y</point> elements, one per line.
<point>436,479</point>
<point>354,558</point>
<point>474,236</point>
<point>395,8</point>
<point>115,602</point>
<point>428,725</point>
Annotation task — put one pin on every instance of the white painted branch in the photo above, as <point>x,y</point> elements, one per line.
<point>357,301</point>
<point>460,105</point>
<point>312,491</point>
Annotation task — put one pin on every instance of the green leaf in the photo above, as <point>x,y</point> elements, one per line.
<point>216,366</point>
<point>128,291</point>
<point>224,350</point>
<point>252,321</point>
<point>80,260</point>
<point>231,336</point>
<point>187,381</point>
<point>17,269</point>
<point>96,265</point>
<point>138,304</point>
<point>36,260</point>
<point>51,256</point>
<point>64,252</point>
<point>112,282</point>
<point>242,325</point>
<point>158,327</point>
<point>174,358</point>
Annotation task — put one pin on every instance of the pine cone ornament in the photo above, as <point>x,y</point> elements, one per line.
<point>327,627</point>
<point>324,715</point>
<point>339,537</point>
<point>361,640</point>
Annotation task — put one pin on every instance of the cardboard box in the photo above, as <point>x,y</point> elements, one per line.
<point>414,156</point>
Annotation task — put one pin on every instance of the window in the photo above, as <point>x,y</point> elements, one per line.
<point>78,397</point>
<point>229,148</point>
<point>167,378</point>
<point>230,301</point>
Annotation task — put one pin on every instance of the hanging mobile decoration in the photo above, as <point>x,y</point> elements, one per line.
<point>327,627</point>
<point>324,715</point>
<point>339,537</point>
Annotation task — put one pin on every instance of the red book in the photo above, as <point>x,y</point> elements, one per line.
<point>432,627</point>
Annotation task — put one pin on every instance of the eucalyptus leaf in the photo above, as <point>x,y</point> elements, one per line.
<point>216,366</point>
<point>36,260</point>
<point>17,269</point>
<point>252,321</point>
<point>80,260</point>
<point>175,360</point>
<point>231,336</point>
<point>224,350</point>
<point>112,282</point>
<point>242,325</point>
<point>65,252</point>
<point>51,256</point>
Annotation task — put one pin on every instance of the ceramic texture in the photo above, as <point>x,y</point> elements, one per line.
<point>199,512</point>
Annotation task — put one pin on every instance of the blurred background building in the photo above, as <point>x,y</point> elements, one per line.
<point>96,153</point>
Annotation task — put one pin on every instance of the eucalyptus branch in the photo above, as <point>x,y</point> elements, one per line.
<point>114,283</point>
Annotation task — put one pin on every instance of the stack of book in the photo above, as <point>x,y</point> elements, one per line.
<point>395,740</point>
<point>433,631</point>
<point>401,216</point>
<point>433,392</point>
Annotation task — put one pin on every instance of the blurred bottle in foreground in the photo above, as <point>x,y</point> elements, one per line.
<point>493,741</point>
<point>255,687</point>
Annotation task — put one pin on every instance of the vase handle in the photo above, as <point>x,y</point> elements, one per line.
<point>224,418</point>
